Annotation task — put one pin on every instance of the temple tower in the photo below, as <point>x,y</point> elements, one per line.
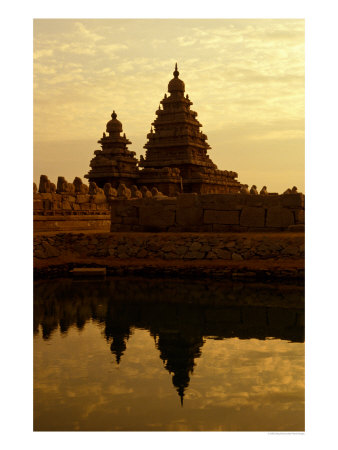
<point>113,164</point>
<point>178,143</point>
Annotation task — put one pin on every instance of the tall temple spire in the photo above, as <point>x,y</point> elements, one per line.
<point>178,143</point>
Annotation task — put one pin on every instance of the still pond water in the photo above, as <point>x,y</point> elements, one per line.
<point>128,354</point>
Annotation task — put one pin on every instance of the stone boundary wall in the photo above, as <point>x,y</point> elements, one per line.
<point>65,212</point>
<point>186,212</point>
<point>171,246</point>
<point>209,213</point>
<point>69,204</point>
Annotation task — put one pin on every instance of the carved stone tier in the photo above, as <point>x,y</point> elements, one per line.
<point>177,142</point>
<point>167,180</point>
<point>113,164</point>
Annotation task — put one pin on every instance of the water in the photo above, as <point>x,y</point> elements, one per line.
<point>168,355</point>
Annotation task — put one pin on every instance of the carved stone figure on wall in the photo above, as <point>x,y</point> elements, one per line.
<point>245,189</point>
<point>145,192</point>
<point>123,191</point>
<point>80,188</point>
<point>44,186</point>
<point>135,193</point>
<point>109,191</point>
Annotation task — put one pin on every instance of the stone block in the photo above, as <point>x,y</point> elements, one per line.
<point>50,251</point>
<point>57,197</point>
<point>99,198</point>
<point>299,215</point>
<point>47,204</point>
<point>114,219</point>
<point>221,217</point>
<point>293,200</point>
<point>82,198</point>
<point>278,216</point>
<point>102,207</point>
<point>299,227</point>
<point>271,200</point>
<point>130,220</point>
<point>220,228</point>
<point>119,227</point>
<point>223,202</point>
<point>188,200</point>
<point>125,211</point>
<point>46,196</point>
<point>236,257</point>
<point>85,206</point>
<point>194,255</point>
<point>161,200</point>
<point>157,216</point>
<point>37,205</point>
<point>189,215</point>
<point>254,200</point>
<point>252,217</point>
<point>221,253</point>
<point>76,207</point>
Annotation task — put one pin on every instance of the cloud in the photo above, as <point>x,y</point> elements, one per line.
<point>38,54</point>
<point>87,34</point>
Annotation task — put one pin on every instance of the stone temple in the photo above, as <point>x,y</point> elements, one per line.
<point>113,164</point>
<point>176,158</point>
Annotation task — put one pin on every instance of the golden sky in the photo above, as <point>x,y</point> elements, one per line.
<point>244,77</point>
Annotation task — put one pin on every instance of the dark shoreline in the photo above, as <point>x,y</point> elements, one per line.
<point>262,270</point>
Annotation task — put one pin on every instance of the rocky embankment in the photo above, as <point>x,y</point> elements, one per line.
<point>197,254</point>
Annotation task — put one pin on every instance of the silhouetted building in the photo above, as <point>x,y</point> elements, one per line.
<point>176,158</point>
<point>113,164</point>
<point>178,352</point>
<point>177,142</point>
<point>118,329</point>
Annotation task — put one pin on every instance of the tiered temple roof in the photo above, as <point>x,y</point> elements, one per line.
<point>113,164</point>
<point>176,157</point>
<point>178,142</point>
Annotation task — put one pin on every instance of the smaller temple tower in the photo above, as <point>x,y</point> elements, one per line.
<point>113,164</point>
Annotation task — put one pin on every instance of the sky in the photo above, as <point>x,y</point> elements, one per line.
<point>245,78</point>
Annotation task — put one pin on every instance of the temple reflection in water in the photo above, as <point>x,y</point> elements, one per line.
<point>179,315</point>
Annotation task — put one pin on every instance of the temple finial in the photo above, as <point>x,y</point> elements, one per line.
<point>114,115</point>
<point>176,72</point>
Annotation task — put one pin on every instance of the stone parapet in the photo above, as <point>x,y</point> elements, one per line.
<point>209,213</point>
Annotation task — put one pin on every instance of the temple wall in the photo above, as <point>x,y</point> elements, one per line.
<point>71,211</point>
<point>65,212</point>
<point>209,213</point>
